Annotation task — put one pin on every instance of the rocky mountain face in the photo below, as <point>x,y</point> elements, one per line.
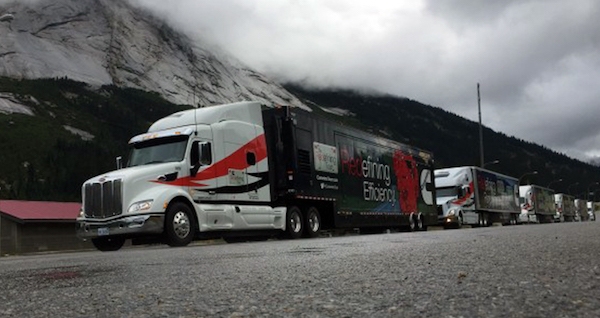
<point>104,42</point>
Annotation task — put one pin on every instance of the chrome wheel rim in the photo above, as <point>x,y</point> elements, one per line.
<point>181,224</point>
<point>411,222</point>
<point>295,223</point>
<point>313,222</point>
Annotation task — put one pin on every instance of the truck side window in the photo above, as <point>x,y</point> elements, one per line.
<point>205,153</point>
<point>250,158</point>
<point>195,154</point>
<point>201,153</point>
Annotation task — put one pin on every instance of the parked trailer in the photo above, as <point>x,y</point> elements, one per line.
<point>537,203</point>
<point>565,207</point>
<point>581,210</point>
<point>592,208</point>
<point>475,196</point>
<point>244,171</point>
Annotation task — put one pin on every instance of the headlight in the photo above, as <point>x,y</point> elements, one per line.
<point>140,206</point>
<point>451,212</point>
<point>81,213</point>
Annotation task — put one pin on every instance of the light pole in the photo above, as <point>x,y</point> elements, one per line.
<point>587,194</point>
<point>554,181</point>
<point>480,128</point>
<point>526,174</point>
<point>569,187</point>
<point>495,162</point>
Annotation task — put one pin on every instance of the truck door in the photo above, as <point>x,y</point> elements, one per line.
<point>240,181</point>
<point>204,167</point>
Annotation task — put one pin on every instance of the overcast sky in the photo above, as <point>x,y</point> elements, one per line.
<point>537,61</point>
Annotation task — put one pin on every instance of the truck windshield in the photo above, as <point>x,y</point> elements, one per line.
<point>168,149</point>
<point>446,192</point>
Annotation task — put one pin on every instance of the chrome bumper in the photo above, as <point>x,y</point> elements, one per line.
<point>131,225</point>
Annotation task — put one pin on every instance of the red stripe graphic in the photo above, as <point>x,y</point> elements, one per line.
<point>236,160</point>
<point>461,201</point>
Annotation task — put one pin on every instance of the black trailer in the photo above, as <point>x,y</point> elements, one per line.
<point>352,178</point>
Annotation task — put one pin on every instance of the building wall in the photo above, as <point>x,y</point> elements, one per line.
<point>39,237</point>
<point>8,233</point>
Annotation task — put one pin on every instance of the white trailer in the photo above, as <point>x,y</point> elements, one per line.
<point>592,207</point>
<point>475,196</point>
<point>565,207</point>
<point>537,203</point>
<point>581,210</point>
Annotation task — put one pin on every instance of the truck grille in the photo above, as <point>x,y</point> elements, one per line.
<point>102,200</point>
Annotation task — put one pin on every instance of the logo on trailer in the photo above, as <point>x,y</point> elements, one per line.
<point>407,176</point>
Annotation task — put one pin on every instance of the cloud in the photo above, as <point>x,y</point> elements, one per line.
<point>537,61</point>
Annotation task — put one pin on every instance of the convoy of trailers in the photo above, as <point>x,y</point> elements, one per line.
<point>246,171</point>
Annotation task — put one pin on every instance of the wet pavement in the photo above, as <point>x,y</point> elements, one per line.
<point>542,270</point>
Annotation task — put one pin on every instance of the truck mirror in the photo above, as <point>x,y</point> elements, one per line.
<point>119,161</point>
<point>466,190</point>
<point>250,158</point>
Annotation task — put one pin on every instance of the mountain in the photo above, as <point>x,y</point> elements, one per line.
<point>109,42</point>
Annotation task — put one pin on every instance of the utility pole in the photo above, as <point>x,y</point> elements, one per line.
<point>480,128</point>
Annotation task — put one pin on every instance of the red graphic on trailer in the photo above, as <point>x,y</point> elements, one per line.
<point>467,200</point>
<point>407,178</point>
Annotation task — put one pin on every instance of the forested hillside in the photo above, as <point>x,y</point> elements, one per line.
<point>454,140</point>
<point>74,131</point>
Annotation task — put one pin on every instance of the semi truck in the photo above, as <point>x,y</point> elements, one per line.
<point>537,203</point>
<point>246,171</point>
<point>475,196</point>
<point>592,207</point>
<point>565,207</point>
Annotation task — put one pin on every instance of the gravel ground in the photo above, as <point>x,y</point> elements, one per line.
<point>549,270</point>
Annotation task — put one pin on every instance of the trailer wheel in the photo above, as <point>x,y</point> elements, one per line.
<point>412,223</point>
<point>294,223</point>
<point>421,223</point>
<point>312,222</point>
<point>108,244</point>
<point>179,229</point>
<point>483,219</point>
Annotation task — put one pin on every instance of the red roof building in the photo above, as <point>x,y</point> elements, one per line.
<point>38,226</point>
<point>36,211</point>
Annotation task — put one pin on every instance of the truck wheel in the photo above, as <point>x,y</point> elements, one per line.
<point>108,244</point>
<point>179,229</point>
<point>294,223</point>
<point>312,222</point>
<point>460,222</point>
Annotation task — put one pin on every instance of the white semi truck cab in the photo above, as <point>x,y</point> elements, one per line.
<point>196,170</point>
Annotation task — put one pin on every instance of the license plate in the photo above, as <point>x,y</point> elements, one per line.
<point>102,231</point>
